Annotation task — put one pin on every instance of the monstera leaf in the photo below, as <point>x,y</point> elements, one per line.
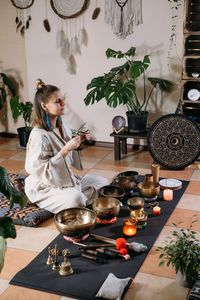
<point>7,228</point>
<point>163,84</point>
<point>10,192</point>
<point>98,86</point>
<point>3,248</point>
<point>120,54</point>
<point>139,67</point>
<point>119,92</point>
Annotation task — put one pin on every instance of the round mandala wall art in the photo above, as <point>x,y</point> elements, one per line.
<point>174,141</point>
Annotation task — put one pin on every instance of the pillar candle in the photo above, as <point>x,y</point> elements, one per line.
<point>168,194</point>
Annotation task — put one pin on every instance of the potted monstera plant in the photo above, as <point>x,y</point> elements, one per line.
<point>25,110</point>
<point>7,228</point>
<point>120,87</point>
<point>182,251</point>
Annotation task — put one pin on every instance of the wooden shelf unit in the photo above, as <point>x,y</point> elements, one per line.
<point>191,59</point>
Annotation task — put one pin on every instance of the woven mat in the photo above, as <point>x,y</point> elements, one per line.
<point>89,275</point>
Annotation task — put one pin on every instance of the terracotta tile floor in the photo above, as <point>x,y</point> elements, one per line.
<point>151,282</point>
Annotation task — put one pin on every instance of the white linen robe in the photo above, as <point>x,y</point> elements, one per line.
<point>51,183</point>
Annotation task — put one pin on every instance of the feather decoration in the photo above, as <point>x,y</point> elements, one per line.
<point>19,24</point>
<point>22,30</point>
<point>69,68</point>
<point>80,37</point>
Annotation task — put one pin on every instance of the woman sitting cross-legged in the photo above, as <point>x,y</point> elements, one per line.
<point>51,151</point>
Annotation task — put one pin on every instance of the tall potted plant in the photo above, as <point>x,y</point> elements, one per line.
<point>24,110</point>
<point>182,251</point>
<point>119,87</point>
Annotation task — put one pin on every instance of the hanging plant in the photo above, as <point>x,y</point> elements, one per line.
<point>175,6</point>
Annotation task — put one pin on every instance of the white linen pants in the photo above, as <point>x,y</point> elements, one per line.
<point>83,194</point>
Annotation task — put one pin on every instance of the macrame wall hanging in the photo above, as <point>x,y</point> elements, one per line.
<point>22,19</point>
<point>122,15</point>
<point>71,33</point>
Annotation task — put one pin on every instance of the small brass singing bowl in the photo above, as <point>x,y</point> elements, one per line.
<point>75,222</point>
<point>148,189</point>
<point>132,174</point>
<point>139,218</point>
<point>135,203</point>
<point>106,208</point>
<point>112,191</point>
<point>126,182</point>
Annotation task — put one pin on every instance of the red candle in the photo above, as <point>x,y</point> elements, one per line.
<point>156,210</point>
<point>129,227</point>
<point>168,194</point>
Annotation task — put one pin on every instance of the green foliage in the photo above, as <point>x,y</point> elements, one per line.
<point>7,228</point>
<point>118,86</point>
<point>182,251</point>
<point>6,86</point>
<point>21,109</point>
<point>80,129</point>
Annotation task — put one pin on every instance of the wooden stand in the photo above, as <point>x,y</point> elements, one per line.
<point>120,141</point>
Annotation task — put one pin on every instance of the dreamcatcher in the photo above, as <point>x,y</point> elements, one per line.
<point>22,22</point>
<point>71,33</point>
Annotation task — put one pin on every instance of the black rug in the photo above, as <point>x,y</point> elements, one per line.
<point>89,275</point>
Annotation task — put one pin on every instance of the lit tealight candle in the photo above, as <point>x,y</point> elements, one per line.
<point>156,210</point>
<point>168,194</point>
<point>129,227</point>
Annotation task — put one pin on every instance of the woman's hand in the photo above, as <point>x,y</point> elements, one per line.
<point>72,144</point>
<point>85,135</point>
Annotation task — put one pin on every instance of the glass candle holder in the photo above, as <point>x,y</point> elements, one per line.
<point>129,227</point>
<point>167,194</point>
<point>156,210</point>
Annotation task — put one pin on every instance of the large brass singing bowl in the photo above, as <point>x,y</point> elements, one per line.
<point>106,208</point>
<point>132,174</point>
<point>75,222</point>
<point>135,203</point>
<point>125,182</point>
<point>149,189</point>
<point>112,191</point>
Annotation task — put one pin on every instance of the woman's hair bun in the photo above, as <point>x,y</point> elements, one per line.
<point>39,83</point>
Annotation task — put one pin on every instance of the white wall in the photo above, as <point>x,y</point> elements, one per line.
<point>152,37</point>
<point>12,60</point>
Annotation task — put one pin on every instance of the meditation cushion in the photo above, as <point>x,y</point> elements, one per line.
<point>30,215</point>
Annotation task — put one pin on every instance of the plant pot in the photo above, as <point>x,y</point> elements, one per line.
<point>183,280</point>
<point>136,123</point>
<point>23,135</point>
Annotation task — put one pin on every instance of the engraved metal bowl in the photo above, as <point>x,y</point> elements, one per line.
<point>132,174</point>
<point>149,189</point>
<point>112,191</point>
<point>135,203</point>
<point>106,208</point>
<point>75,222</point>
<point>126,182</point>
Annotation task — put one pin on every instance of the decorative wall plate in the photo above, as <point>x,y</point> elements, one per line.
<point>193,94</point>
<point>22,4</point>
<point>174,141</point>
<point>68,9</point>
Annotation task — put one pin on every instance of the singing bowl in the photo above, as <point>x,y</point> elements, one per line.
<point>106,208</point>
<point>132,174</point>
<point>135,203</point>
<point>112,191</point>
<point>75,222</point>
<point>149,189</point>
<point>126,182</point>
